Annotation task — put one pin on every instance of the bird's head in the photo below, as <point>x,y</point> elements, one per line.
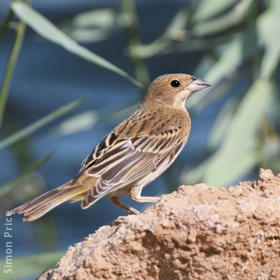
<point>173,89</point>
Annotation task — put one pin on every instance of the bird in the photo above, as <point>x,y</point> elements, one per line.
<point>133,154</point>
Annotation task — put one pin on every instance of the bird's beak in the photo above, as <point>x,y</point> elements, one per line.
<point>197,85</point>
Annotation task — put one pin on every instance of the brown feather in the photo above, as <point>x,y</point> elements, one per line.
<point>39,206</point>
<point>133,154</point>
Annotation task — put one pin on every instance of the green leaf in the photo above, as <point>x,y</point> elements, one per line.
<point>83,121</point>
<point>207,9</point>
<point>87,120</point>
<point>199,101</point>
<point>28,266</point>
<point>8,186</point>
<point>130,24</point>
<point>50,32</point>
<point>5,87</point>
<point>5,26</point>
<point>221,124</point>
<point>225,21</point>
<point>92,26</point>
<point>232,56</point>
<point>270,61</point>
<point>40,123</point>
<point>176,28</point>
<point>238,155</point>
<point>268,31</point>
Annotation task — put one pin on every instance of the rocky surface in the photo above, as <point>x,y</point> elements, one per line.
<point>196,232</point>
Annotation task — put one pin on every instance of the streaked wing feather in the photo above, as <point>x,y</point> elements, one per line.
<point>127,161</point>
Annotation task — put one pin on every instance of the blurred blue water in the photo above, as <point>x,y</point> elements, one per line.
<point>48,77</point>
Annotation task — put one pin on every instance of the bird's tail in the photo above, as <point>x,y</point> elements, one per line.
<point>36,208</point>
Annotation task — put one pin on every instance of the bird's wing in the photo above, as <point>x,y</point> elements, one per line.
<point>118,162</point>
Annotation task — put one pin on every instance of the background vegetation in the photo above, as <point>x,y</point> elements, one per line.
<point>239,47</point>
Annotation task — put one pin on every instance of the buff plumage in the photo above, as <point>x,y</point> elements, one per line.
<point>133,154</point>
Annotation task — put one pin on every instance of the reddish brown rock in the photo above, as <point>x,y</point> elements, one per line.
<point>197,232</point>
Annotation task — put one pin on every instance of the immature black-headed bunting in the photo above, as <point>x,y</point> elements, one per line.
<point>133,154</point>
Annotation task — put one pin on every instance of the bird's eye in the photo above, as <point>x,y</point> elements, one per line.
<point>175,83</point>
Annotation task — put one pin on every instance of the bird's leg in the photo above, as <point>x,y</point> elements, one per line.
<point>116,200</point>
<point>135,194</point>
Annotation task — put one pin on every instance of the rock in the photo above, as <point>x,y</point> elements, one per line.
<point>196,232</point>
